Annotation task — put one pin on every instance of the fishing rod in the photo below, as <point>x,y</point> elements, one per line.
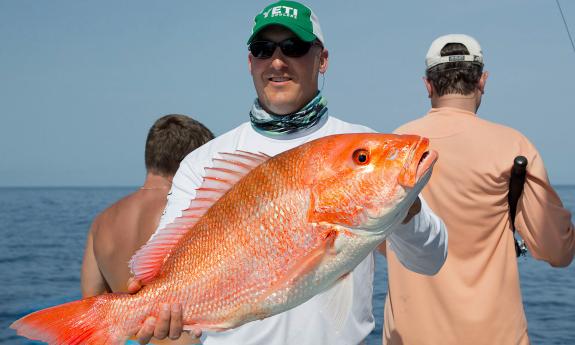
<point>516,182</point>
<point>566,27</point>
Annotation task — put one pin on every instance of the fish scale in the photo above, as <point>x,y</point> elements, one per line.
<point>262,236</point>
<point>251,238</point>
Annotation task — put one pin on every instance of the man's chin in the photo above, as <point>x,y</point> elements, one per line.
<point>281,106</point>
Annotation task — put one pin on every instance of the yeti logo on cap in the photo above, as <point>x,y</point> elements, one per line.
<point>292,15</point>
<point>281,11</point>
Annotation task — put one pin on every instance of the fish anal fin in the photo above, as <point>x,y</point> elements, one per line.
<point>337,302</point>
<point>226,171</point>
<point>206,326</point>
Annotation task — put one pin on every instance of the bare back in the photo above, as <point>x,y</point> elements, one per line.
<point>116,234</point>
<point>122,229</point>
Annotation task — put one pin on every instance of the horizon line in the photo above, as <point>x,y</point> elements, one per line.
<point>137,186</point>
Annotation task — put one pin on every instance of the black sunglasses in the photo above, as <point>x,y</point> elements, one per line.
<point>290,47</point>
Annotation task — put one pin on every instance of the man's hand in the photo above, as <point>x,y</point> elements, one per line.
<point>413,210</point>
<point>134,285</point>
<point>169,322</point>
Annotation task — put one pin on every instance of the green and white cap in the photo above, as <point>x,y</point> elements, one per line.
<point>293,15</point>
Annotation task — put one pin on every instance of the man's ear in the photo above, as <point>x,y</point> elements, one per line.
<point>323,61</point>
<point>483,81</point>
<point>428,86</point>
<point>250,58</point>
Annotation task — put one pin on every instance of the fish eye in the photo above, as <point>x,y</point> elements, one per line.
<point>361,157</point>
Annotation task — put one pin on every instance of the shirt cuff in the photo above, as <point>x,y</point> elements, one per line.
<point>421,244</point>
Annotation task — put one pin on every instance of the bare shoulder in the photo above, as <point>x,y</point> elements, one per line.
<point>108,217</point>
<point>130,219</point>
<point>116,224</point>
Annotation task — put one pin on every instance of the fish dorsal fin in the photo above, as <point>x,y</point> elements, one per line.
<point>225,173</point>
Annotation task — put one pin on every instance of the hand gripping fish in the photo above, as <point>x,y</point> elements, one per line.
<point>263,235</point>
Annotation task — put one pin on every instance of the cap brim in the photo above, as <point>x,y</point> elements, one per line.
<point>303,34</point>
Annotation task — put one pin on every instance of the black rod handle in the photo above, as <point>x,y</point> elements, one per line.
<point>516,182</point>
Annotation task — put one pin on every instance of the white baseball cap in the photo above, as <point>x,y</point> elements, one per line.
<point>434,58</point>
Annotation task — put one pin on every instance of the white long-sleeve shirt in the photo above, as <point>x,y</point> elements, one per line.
<point>421,245</point>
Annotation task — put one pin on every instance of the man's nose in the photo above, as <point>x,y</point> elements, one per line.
<point>278,59</point>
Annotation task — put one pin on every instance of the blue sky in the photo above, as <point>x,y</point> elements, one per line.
<point>82,81</point>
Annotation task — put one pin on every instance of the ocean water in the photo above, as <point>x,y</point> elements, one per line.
<point>42,241</point>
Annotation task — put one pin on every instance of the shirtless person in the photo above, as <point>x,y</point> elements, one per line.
<point>124,227</point>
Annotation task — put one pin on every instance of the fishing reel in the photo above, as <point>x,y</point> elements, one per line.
<point>520,248</point>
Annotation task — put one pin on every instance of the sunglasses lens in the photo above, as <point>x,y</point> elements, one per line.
<point>262,49</point>
<point>293,47</point>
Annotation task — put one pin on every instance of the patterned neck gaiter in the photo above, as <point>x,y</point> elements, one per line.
<point>272,125</point>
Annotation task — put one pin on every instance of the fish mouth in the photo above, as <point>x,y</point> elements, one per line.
<point>425,165</point>
<point>419,165</point>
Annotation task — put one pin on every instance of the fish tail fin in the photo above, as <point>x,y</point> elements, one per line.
<point>73,323</point>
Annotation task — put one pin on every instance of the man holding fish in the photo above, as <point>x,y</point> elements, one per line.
<point>272,243</point>
<point>286,55</point>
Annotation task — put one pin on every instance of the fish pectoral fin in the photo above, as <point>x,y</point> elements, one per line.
<point>306,264</point>
<point>329,236</point>
<point>337,301</point>
<point>311,261</point>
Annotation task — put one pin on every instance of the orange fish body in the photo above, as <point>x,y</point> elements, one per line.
<point>263,235</point>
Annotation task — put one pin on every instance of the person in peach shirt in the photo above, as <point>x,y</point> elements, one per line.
<point>475,298</point>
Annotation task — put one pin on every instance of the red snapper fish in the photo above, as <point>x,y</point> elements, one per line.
<point>263,235</point>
